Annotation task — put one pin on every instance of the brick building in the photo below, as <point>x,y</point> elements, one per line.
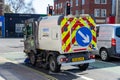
<point>100,9</point>
<point>1,7</point>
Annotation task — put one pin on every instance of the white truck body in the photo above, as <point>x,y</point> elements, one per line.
<point>50,33</point>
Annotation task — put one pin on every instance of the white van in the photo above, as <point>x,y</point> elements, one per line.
<point>108,41</point>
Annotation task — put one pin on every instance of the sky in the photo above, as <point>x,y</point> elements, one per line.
<point>40,6</point>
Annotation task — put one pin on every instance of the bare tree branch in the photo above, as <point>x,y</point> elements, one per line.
<point>19,6</point>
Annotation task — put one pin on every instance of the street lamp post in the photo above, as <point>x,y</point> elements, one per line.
<point>116,11</point>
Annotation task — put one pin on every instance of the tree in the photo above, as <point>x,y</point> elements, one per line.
<point>19,6</point>
<point>7,9</point>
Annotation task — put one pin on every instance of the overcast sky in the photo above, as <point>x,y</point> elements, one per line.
<point>40,5</point>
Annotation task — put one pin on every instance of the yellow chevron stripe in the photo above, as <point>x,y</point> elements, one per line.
<point>73,22</point>
<point>84,22</point>
<point>89,48</point>
<point>91,20</point>
<point>70,50</point>
<point>93,42</point>
<point>93,33</point>
<point>63,22</point>
<point>66,32</point>
<point>74,33</point>
<point>63,47</point>
<point>63,34</point>
<point>67,42</point>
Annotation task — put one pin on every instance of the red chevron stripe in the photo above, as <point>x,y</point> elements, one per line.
<point>70,19</point>
<point>89,23</point>
<point>73,40</point>
<point>76,24</point>
<point>66,24</point>
<point>94,39</point>
<point>68,48</point>
<point>81,49</point>
<point>74,27</point>
<point>66,37</point>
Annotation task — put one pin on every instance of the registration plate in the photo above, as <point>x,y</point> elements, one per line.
<point>77,59</point>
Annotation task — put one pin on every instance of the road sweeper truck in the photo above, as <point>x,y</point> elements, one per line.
<point>55,41</point>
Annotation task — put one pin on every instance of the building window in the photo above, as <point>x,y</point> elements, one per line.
<point>83,11</point>
<point>97,1</point>
<point>103,12</point>
<point>61,5</point>
<point>56,6</point>
<point>71,3</point>
<point>83,2</point>
<point>103,1</point>
<point>97,12</point>
<point>76,2</point>
<point>71,12</point>
<point>76,12</point>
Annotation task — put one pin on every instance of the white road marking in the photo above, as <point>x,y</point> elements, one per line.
<point>86,78</point>
<point>83,77</point>
<point>1,78</point>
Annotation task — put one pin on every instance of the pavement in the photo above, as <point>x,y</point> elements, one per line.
<point>11,62</point>
<point>11,70</point>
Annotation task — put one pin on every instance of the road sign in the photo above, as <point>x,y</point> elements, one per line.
<point>83,36</point>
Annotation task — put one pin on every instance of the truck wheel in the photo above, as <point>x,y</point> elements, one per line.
<point>53,65</point>
<point>83,67</point>
<point>32,58</point>
<point>104,55</point>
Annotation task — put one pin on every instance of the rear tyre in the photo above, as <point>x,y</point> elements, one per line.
<point>32,58</point>
<point>83,67</point>
<point>104,55</point>
<point>53,65</point>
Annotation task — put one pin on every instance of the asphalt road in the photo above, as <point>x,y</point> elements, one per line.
<point>12,50</point>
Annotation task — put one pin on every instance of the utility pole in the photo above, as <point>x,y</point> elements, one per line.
<point>57,7</point>
<point>116,21</point>
<point>117,11</point>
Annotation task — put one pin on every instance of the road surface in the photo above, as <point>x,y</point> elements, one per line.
<point>11,49</point>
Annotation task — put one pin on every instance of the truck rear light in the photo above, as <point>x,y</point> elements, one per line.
<point>113,42</point>
<point>63,59</point>
<point>92,56</point>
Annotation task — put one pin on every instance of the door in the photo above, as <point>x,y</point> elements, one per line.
<point>28,37</point>
<point>78,34</point>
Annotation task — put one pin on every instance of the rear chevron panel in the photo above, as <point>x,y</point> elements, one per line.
<point>69,27</point>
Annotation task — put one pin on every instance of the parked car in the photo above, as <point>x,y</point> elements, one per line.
<point>108,41</point>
